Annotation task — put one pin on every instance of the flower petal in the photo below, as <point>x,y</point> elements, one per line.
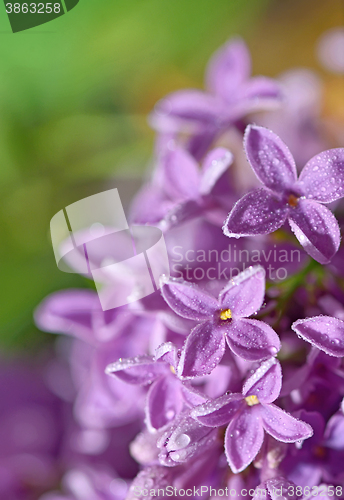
<point>245,293</point>
<point>324,332</point>
<point>180,175</point>
<point>228,68</point>
<point>186,110</point>
<point>258,93</point>
<point>334,433</point>
<point>187,439</point>
<point>266,382</point>
<point>71,312</point>
<point>149,196</point>
<point>167,352</point>
<point>164,402</point>
<point>244,438</point>
<point>258,212</point>
<point>219,411</point>
<point>316,228</point>
<point>282,426</point>
<point>188,300</point>
<point>279,487</point>
<point>251,339</point>
<point>139,370</point>
<point>260,88</point>
<point>148,481</point>
<point>202,351</point>
<point>214,166</point>
<point>322,178</point>
<point>270,158</point>
<point>182,212</point>
<point>202,139</point>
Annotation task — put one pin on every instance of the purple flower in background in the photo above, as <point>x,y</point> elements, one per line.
<point>32,422</point>
<point>167,394</point>
<point>78,313</point>
<point>277,487</point>
<point>250,414</point>
<point>334,434</point>
<point>104,336</point>
<point>222,320</point>
<point>231,94</point>
<point>321,456</point>
<point>186,439</point>
<point>180,189</point>
<point>88,483</point>
<point>284,197</point>
<point>152,482</point>
<point>318,383</point>
<point>297,122</point>
<point>324,332</point>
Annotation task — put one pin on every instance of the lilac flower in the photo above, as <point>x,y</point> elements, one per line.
<point>185,439</point>
<point>31,430</point>
<point>334,434</point>
<point>149,482</point>
<point>175,389</point>
<point>277,487</point>
<point>104,336</point>
<point>284,197</point>
<point>231,94</point>
<point>90,484</point>
<point>157,482</point>
<point>181,190</point>
<point>324,332</point>
<point>78,313</point>
<point>318,383</point>
<point>321,456</point>
<point>167,394</point>
<point>297,122</point>
<point>222,320</point>
<point>249,414</point>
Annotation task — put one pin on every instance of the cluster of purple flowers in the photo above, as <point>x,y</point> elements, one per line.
<point>225,384</point>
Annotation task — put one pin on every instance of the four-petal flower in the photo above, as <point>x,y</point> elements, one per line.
<point>167,394</point>
<point>284,197</point>
<point>220,320</point>
<point>231,94</point>
<point>182,190</point>
<point>251,413</point>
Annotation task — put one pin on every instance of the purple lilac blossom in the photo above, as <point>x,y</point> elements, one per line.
<point>185,407</point>
<point>250,414</point>
<point>298,122</point>
<point>284,197</point>
<point>180,190</point>
<point>89,484</point>
<point>231,94</point>
<point>167,394</point>
<point>222,320</point>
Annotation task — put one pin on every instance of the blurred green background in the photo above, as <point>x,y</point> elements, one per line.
<point>74,95</point>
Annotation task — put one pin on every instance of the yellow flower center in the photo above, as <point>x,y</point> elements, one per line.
<point>226,314</point>
<point>252,400</point>
<point>293,201</point>
<point>172,369</point>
